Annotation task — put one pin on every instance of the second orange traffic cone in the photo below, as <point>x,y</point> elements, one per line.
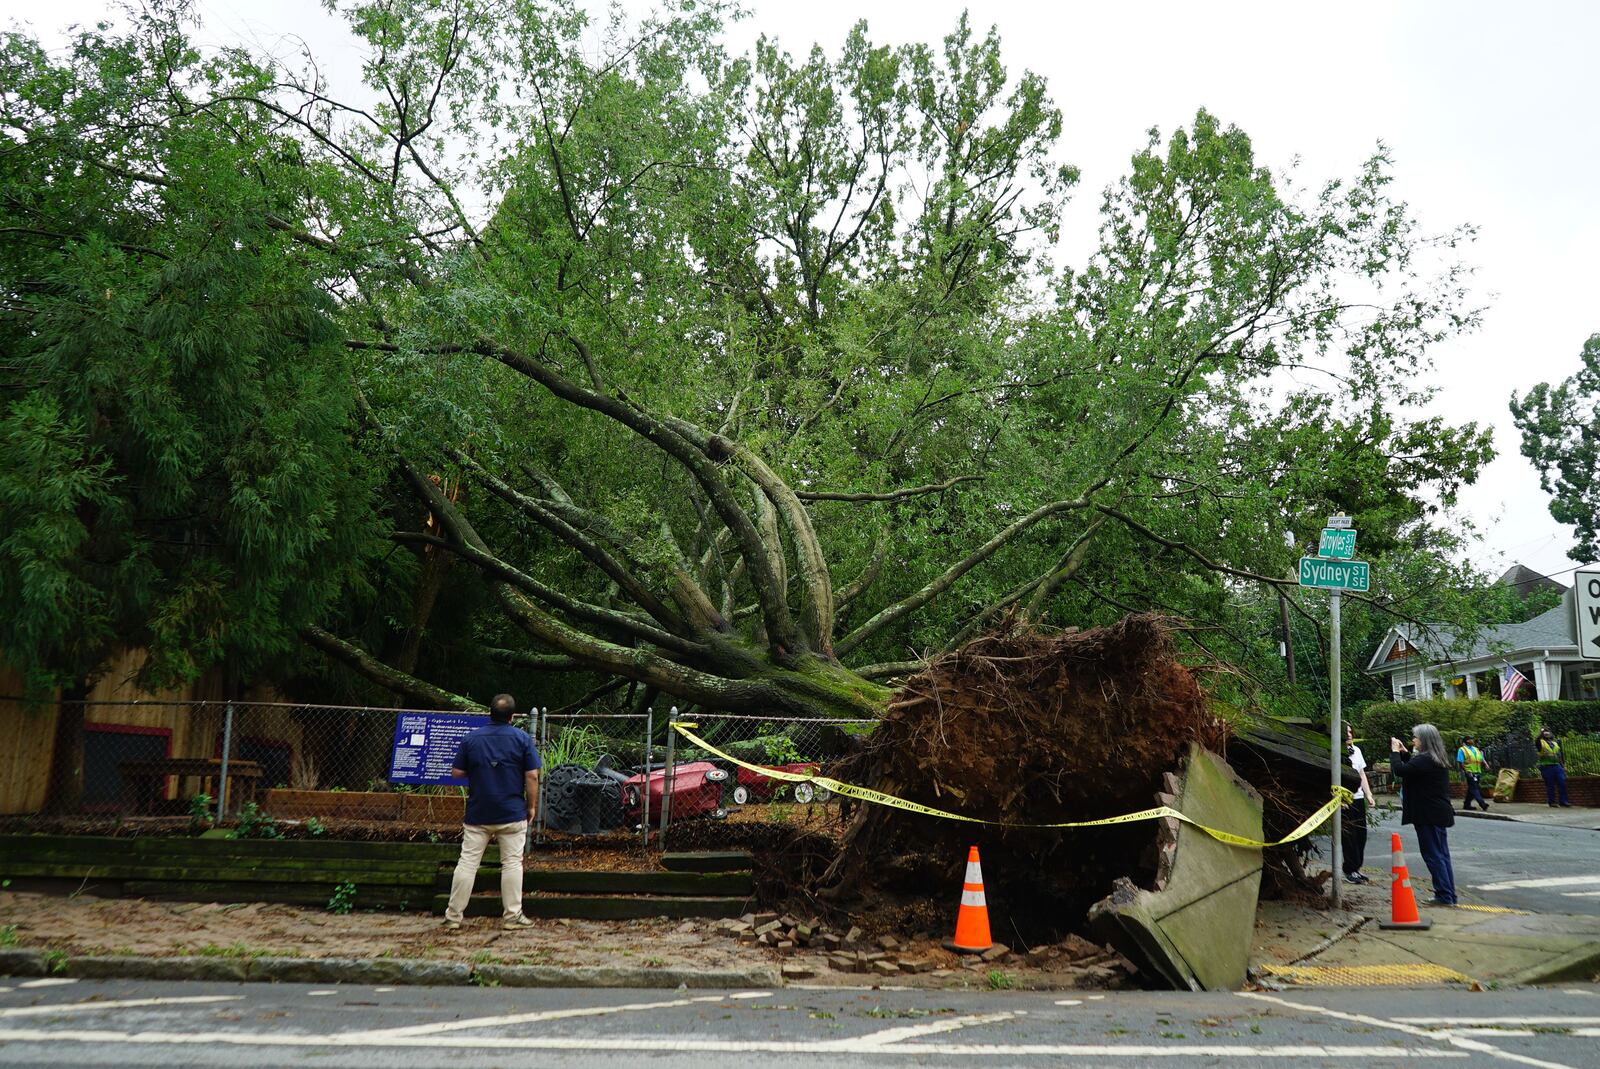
<point>972,922</point>
<point>1402,899</point>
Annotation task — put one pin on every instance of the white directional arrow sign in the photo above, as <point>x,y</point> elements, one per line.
<point>1588,605</point>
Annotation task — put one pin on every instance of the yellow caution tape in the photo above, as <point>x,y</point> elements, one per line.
<point>1341,796</point>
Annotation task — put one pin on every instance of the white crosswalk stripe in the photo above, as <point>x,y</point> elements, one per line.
<point>1544,881</point>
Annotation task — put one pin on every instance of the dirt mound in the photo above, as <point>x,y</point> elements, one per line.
<point>1024,728</point>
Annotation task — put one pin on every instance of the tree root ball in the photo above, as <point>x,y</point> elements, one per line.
<point>1021,727</point>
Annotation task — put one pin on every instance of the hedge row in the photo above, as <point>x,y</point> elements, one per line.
<point>1485,719</point>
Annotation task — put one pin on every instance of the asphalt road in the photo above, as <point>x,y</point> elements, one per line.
<point>126,1023</point>
<point>1505,863</point>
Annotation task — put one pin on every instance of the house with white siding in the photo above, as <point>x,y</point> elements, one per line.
<point>1431,661</point>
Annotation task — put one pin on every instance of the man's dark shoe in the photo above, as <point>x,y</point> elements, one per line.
<point>1439,902</point>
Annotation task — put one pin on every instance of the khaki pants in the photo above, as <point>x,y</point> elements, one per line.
<point>474,841</point>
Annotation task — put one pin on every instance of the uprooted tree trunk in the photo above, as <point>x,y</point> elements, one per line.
<point>1022,728</point>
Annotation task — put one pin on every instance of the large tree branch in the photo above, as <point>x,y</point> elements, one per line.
<point>557,518</point>
<point>782,632</point>
<point>1051,581</point>
<point>907,605</point>
<point>537,662</point>
<point>580,610</point>
<point>857,586</point>
<point>646,666</point>
<point>817,584</point>
<point>892,495</point>
<point>391,679</point>
<point>891,669</point>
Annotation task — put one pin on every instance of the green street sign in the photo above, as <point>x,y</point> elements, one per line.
<point>1337,544</point>
<point>1335,574</point>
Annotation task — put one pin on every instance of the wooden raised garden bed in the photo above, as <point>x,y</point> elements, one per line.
<point>285,804</point>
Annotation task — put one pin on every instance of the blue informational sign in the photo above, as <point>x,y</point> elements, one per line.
<point>425,746</point>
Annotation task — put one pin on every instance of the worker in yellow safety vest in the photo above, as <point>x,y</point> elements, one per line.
<point>1553,767</point>
<point>1469,759</point>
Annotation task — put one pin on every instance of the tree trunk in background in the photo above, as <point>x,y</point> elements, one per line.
<point>436,564</point>
<point>65,791</point>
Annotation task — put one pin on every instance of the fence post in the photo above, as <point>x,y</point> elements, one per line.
<point>668,778</point>
<point>649,752</point>
<point>543,728</point>
<point>222,777</point>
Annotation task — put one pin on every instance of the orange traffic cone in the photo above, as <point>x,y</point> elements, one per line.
<point>972,922</point>
<point>1402,900</point>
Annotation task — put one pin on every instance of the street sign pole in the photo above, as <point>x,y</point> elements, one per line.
<point>1333,569</point>
<point>1336,898</point>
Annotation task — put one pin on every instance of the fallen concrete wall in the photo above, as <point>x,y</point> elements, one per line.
<point>1194,929</point>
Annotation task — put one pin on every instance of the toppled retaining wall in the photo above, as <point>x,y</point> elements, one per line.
<point>1194,930</point>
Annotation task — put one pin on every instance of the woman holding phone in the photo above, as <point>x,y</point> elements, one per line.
<point>1425,804</point>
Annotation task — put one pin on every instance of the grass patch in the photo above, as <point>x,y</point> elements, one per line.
<point>232,950</point>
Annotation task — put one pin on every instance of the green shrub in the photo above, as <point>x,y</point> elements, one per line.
<point>1583,754</point>
<point>344,898</point>
<point>578,744</point>
<point>255,824</point>
<point>1484,718</point>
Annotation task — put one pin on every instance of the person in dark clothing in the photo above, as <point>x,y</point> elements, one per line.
<point>501,767</point>
<point>1353,828</point>
<point>1426,805</point>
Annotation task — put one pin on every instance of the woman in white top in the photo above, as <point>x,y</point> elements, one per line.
<point>1354,824</point>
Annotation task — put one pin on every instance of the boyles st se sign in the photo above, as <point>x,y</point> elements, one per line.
<point>1586,599</point>
<point>1337,544</point>
<point>1335,574</point>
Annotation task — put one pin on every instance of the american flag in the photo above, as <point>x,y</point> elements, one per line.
<point>1510,680</point>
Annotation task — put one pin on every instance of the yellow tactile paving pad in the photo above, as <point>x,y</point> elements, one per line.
<point>1365,975</point>
<point>1492,909</point>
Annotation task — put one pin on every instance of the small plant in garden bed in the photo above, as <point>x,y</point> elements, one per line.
<point>8,936</point>
<point>344,898</point>
<point>201,808</point>
<point>255,824</point>
<point>314,827</point>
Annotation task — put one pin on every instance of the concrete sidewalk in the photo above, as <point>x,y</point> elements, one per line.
<point>1538,813</point>
<point>1469,943</point>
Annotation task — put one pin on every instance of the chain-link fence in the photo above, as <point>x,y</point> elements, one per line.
<point>712,802</point>
<point>595,768</point>
<point>296,770</point>
<point>211,761</point>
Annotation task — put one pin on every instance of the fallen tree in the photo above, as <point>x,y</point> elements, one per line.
<point>1020,728</point>
<point>746,375</point>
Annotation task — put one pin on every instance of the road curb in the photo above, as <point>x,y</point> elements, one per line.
<point>373,971</point>
<point>1485,814</point>
<point>1580,965</point>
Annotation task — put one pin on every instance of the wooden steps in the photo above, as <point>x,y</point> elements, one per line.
<point>707,861</point>
<point>386,876</point>
<point>606,907</point>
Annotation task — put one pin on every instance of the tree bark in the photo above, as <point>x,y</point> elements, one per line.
<point>64,794</point>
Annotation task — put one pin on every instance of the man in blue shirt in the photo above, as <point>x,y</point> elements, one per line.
<point>501,768</point>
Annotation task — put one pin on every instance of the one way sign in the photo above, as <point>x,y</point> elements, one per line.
<point>1588,603</point>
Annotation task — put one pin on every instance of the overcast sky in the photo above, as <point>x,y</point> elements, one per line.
<point>1491,110</point>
